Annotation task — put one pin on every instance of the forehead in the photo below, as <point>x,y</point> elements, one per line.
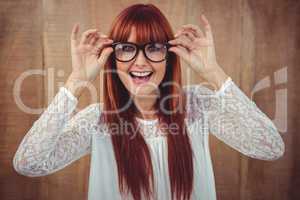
<point>143,34</point>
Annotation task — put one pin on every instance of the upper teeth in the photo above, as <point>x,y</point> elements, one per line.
<point>141,73</point>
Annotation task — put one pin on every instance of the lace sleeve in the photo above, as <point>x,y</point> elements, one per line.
<point>58,138</point>
<point>236,120</point>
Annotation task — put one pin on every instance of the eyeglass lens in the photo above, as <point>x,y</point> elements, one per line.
<point>154,51</point>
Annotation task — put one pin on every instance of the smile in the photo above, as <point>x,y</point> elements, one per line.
<point>140,77</point>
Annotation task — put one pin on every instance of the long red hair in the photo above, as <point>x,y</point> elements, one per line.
<point>132,155</point>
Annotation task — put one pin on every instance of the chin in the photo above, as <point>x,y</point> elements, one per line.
<point>143,90</point>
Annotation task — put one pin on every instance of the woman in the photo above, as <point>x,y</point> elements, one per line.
<point>165,154</point>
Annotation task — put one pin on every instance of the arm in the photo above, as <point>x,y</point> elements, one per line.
<point>232,116</point>
<point>236,120</point>
<point>57,138</point>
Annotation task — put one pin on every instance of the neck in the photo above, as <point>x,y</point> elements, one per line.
<point>146,107</point>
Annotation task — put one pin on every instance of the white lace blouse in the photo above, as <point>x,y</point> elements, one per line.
<point>60,136</point>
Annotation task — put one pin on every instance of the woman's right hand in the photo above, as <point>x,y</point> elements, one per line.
<point>85,52</point>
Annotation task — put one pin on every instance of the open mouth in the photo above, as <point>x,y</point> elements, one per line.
<point>140,77</point>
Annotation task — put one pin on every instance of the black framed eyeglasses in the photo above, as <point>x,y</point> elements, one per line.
<point>153,51</point>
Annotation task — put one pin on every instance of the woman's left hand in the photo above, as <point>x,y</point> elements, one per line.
<point>196,48</point>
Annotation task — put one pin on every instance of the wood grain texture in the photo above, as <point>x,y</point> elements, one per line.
<point>21,50</point>
<point>257,44</point>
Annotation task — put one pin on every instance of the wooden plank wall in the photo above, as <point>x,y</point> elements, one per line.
<point>256,41</point>
<point>21,49</point>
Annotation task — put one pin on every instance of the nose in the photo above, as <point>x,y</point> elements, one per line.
<point>140,58</point>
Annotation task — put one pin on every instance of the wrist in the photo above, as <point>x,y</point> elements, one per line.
<point>75,86</point>
<point>216,78</point>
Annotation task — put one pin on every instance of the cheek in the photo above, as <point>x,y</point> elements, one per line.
<point>122,69</point>
<point>122,66</point>
<point>160,70</point>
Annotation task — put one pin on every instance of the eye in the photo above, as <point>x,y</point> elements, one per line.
<point>128,48</point>
<point>155,47</point>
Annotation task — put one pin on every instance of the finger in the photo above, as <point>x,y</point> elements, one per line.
<point>191,37</point>
<point>182,30</point>
<point>94,37</point>
<point>94,40</point>
<point>85,36</point>
<point>90,37</point>
<point>196,28</point>
<point>104,55</point>
<point>100,37</point>
<point>179,32</point>
<point>97,36</point>
<point>182,40</point>
<point>74,34</point>
<point>207,28</point>
<point>192,31</point>
<point>180,51</point>
<point>98,48</point>
<point>103,35</point>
